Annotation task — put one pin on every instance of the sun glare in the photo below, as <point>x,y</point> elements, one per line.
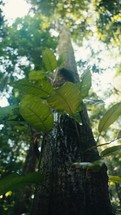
<point>3,102</point>
<point>15,8</point>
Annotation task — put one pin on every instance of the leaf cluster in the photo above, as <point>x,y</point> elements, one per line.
<point>41,98</point>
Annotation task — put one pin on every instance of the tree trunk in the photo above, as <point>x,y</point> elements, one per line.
<point>69,190</point>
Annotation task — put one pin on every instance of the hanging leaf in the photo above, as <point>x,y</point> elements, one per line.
<point>36,75</point>
<point>109,117</point>
<point>36,112</point>
<point>85,83</point>
<point>49,60</point>
<point>110,150</point>
<point>42,88</point>
<point>115,179</point>
<point>15,181</point>
<point>66,98</point>
<point>8,111</point>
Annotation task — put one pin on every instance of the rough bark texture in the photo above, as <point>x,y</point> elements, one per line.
<point>68,190</point>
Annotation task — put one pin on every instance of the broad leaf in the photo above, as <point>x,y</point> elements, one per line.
<point>66,98</point>
<point>36,75</point>
<point>49,60</point>
<point>85,83</point>
<point>15,181</point>
<point>42,88</point>
<point>110,150</point>
<point>109,117</point>
<point>115,179</point>
<point>36,112</point>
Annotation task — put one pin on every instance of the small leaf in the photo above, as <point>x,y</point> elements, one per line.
<point>109,117</point>
<point>36,75</point>
<point>66,98</point>
<point>49,60</point>
<point>15,181</point>
<point>115,179</point>
<point>36,112</point>
<point>85,83</point>
<point>42,88</point>
<point>110,150</point>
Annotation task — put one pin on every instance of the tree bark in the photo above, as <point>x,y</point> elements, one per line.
<point>69,190</point>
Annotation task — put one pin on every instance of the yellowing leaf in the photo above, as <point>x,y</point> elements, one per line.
<point>109,117</point>
<point>36,112</point>
<point>115,179</point>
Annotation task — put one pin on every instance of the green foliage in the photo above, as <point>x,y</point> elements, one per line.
<point>119,135</point>
<point>109,21</point>
<point>25,40</point>
<point>66,98</point>
<point>110,150</point>
<point>8,111</point>
<point>115,179</point>
<point>28,38</point>
<point>85,83</point>
<point>109,117</point>
<point>14,181</point>
<point>36,75</point>
<point>37,113</point>
<point>49,60</point>
<point>41,88</point>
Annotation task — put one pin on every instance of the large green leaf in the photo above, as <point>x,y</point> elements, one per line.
<point>41,88</point>
<point>15,181</point>
<point>36,75</point>
<point>66,98</point>
<point>85,83</point>
<point>109,117</point>
<point>49,60</point>
<point>5,112</point>
<point>36,112</point>
<point>115,179</point>
<point>110,150</point>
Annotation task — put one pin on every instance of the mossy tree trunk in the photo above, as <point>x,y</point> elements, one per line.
<point>68,190</point>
